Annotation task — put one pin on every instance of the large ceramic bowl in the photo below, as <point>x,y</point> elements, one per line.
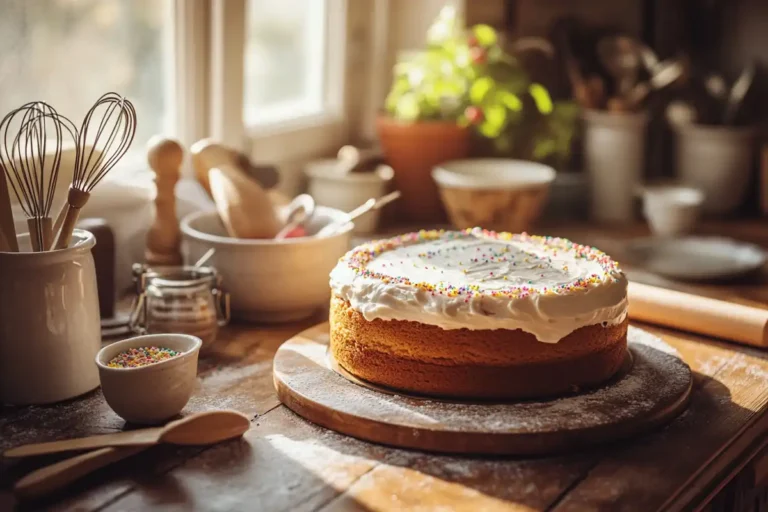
<point>269,280</point>
<point>497,194</point>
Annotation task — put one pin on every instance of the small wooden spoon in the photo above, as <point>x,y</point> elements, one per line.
<point>197,429</point>
<point>203,428</point>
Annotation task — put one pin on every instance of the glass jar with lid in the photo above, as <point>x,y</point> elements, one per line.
<point>186,299</point>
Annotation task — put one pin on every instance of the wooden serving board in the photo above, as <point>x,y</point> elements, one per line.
<point>654,390</point>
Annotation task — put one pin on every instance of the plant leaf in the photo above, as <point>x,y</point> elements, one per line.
<point>480,89</point>
<point>485,35</point>
<point>541,97</point>
<point>495,120</point>
<point>510,100</point>
<point>407,107</point>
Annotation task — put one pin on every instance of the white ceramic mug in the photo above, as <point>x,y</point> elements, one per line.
<point>672,210</point>
<point>50,329</point>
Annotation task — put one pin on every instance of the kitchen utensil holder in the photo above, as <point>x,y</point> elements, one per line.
<point>50,330</point>
<point>179,299</point>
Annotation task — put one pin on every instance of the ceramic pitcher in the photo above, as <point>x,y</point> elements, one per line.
<point>50,329</point>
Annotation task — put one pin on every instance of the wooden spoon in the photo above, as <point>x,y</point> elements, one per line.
<point>220,426</point>
<point>245,208</point>
<point>197,429</point>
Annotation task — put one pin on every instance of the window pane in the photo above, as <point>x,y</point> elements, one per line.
<point>284,59</point>
<point>70,52</point>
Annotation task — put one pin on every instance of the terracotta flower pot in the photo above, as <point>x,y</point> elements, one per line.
<point>413,149</point>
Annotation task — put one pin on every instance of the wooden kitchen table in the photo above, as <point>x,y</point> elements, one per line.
<point>710,457</point>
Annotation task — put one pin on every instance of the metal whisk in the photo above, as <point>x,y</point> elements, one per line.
<point>101,144</point>
<point>31,138</point>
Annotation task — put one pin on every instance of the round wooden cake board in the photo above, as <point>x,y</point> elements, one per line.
<point>655,388</point>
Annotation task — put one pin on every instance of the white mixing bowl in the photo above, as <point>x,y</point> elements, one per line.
<point>269,280</point>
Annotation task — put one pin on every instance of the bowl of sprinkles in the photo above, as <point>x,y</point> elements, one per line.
<point>141,356</point>
<point>149,379</point>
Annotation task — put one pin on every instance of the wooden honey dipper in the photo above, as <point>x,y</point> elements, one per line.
<point>164,238</point>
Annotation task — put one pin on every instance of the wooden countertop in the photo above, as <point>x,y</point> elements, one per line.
<point>710,454</point>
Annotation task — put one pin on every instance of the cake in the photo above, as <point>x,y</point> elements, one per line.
<point>476,314</point>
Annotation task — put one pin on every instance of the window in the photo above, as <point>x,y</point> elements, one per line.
<point>70,52</point>
<point>265,76</point>
<point>284,60</point>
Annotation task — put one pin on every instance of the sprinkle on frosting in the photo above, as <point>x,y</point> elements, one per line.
<point>479,279</point>
<point>360,257</point>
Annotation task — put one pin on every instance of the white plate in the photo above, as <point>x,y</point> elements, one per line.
<point>696,257</point>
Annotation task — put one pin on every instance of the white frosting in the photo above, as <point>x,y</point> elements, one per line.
<point>481,280</point>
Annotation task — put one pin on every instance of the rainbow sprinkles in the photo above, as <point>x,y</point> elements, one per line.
<point>478,279</point>
<point>538,266</point>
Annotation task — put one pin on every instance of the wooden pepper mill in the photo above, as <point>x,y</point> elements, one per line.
<point>164,238</point>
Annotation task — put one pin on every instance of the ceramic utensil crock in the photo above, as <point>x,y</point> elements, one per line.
<point>50,330</point>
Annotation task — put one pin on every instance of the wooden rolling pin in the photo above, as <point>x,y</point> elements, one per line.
<point>701,315</point>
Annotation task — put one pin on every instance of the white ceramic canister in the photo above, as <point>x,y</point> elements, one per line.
<point>50,330</point>
<point>614,153</point>
<point>718,161</point>
<point>347,191</point>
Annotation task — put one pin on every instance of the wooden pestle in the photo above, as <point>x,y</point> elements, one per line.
<point>164,238</point>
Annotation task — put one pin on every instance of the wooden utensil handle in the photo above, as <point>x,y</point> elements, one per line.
<point>56,476</point>
<point>702,315</point>
<point>60,219</point>
<point>76,199</point>
<point>145,436</point>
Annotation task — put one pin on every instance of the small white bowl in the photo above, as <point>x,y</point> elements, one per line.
<point>154,393</point>
<point>493,193</point>
<point>672,210</point>
<point>270,280</point>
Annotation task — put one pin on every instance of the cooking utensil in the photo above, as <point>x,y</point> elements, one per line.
<point>738,92</point>
<point>716,86</point>
<point>7,227</point>
<point>300,210</point>
<point>205,257</point>
<point>98,155</point>
<point>621,58</point>
<point>163,241</point>
<point>25,135</point>
<point>352,159</point>
<point>680,112</point>
<point>371,204</point>
<point>207,154</point>
<point>243,205</point>
<point>702,315</point>
<point>199,429</point>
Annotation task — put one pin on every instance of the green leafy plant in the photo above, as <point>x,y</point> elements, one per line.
<point>466,76</point>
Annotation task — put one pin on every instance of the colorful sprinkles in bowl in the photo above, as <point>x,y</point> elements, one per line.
<point>141,356</point>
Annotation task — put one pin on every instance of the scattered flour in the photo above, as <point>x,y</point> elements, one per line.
<point>658,374</point>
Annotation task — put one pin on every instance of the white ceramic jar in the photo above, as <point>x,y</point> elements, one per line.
<point>50,330</point>
<point>614,154</point>
<point>347,191</point>
<point>718,161</point>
